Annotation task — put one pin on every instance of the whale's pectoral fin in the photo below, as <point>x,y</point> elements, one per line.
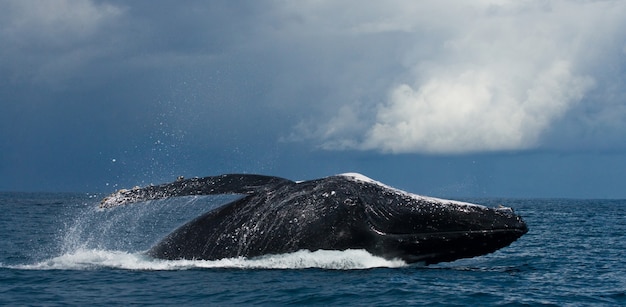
<point>223,184</point>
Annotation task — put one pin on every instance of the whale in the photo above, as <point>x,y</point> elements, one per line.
<point>349,211</point>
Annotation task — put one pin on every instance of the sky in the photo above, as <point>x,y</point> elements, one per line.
<point>500,98</point>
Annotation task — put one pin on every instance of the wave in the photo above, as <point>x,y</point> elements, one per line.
<point>89,259</point>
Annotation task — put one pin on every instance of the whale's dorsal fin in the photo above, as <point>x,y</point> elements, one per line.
<point>213,185</point>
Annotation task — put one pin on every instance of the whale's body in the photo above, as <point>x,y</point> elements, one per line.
<point>348,211</point>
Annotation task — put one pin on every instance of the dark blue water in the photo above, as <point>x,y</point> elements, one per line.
<point>57,249</point>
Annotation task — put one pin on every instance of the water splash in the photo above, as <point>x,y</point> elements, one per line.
<point>117,238</point>
<point>135,227</point>
<point>325,259</point>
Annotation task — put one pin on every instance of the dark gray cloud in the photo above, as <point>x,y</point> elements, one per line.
<point>116,92</point>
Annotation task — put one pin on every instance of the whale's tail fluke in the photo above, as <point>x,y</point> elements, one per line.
<point>213,185</point>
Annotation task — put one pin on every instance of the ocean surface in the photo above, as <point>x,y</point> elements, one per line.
<point>59,249</point>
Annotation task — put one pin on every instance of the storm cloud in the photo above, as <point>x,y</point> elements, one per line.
<point>479,76</point>
<point>145,90</point>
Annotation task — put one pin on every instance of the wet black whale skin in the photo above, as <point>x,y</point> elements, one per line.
<point>350,211</point>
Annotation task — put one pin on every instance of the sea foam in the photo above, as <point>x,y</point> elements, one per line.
<point>85,259</point>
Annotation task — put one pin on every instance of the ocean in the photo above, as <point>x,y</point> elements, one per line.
<point>59,249</point>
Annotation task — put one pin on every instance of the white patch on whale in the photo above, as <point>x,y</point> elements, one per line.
<point>362,178</point>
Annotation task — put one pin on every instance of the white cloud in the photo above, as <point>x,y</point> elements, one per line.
<point>474,111</point>
<point>479,76</point>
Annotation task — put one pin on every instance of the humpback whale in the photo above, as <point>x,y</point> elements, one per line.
<point>347,211</point>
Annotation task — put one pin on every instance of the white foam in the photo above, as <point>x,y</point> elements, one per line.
<point>363,178</point>
<point>326,259</point>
